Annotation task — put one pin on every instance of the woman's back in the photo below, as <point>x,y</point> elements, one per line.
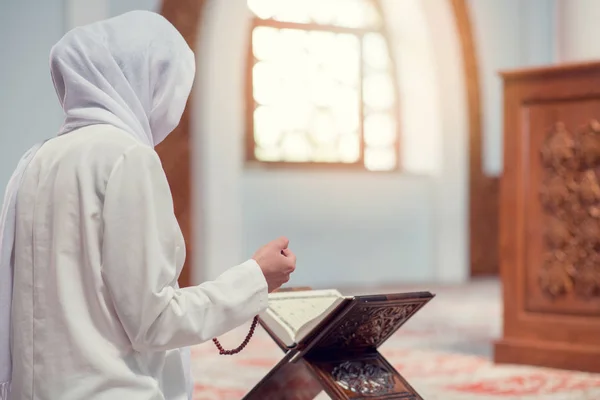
<point>68,341</point>
<point>90,249</point>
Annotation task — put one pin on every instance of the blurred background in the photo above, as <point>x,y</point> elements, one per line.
<point>371,133</point>
<point>344,124</point>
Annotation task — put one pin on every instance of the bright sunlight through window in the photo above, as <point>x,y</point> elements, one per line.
<point>322,85</point>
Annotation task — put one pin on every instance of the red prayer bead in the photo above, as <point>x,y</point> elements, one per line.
<point>224,352</point>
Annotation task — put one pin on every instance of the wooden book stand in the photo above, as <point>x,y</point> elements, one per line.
<point>341,357</point>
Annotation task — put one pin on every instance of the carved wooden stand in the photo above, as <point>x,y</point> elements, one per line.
<point>550,218</point>
<point>341,358</point>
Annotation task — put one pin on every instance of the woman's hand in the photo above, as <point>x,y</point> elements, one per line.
<point>276,261</point>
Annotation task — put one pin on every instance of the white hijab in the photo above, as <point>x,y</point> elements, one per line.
<point>134,72</point>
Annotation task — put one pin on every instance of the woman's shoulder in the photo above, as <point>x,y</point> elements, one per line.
<point>104,142</point>
<point>105,136</point>
<point>95,150</point>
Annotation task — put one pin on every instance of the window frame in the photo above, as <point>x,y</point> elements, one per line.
<point>251,104</point>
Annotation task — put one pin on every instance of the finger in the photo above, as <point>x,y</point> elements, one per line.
<point>282,243</point>
<point>289,266</point>
<point>289,254</point>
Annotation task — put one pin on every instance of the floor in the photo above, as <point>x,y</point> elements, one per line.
<point>444,352</point>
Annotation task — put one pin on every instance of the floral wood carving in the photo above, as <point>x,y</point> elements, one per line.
<point>364,378</point>
<point>570,197</point>
<point>369,325</point>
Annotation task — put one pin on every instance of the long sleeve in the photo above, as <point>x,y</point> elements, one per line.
<point>142,250</point>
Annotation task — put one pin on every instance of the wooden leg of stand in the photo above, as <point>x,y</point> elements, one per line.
<point>360,377</point>
<point>287,381</point>
<point>366,376</point>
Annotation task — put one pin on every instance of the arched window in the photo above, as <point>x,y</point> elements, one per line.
<point>322,85</point>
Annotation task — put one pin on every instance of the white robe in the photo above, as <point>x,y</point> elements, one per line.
<point>96,309</point>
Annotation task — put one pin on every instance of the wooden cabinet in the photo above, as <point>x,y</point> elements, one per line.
<point>550,218</point>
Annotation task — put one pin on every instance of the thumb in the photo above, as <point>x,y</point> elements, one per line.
<point>281,243</point>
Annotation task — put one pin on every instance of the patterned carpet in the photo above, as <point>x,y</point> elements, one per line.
<point>444,352</point>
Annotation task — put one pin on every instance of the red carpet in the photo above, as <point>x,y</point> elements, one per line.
<point>444,352</point>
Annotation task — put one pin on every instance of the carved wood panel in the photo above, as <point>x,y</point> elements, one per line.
<point>548,201</point>
<point>364,377</point>
<point>563,212</point>
<point>368,325</point>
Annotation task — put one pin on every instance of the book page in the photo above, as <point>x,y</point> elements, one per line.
<point>296,309</point>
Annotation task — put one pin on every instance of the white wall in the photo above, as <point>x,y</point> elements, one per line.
<point>348,228</point>
<point>508,34</point>
<point>80,13</point>
<point>29,110</point>
<point>578,30</point>
<point>400,226</point>
<point>413,48</point>
<point>117,7</point>
<point>451,184</point>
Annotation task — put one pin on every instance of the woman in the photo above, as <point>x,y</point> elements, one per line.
<point>90,242</point>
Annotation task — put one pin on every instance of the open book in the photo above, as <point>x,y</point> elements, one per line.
<point>291,316</point>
